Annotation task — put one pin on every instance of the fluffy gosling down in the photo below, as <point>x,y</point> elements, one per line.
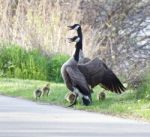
<point>101,96</point>
<point>46,90</point>
<point>42,91</point>
<point>37,93</point>
<point>70,97</point>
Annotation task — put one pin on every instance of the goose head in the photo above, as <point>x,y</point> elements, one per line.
<point>74,27</point>
<point>78,45</point>
<point>86,102</point>
<point>74,39</point>
<point>77,40</point>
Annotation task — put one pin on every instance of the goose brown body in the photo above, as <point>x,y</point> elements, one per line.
<point>74,79</point>
<point>96,71</point>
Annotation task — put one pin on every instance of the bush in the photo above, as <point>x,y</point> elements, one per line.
<point>16,62</point>
<point>144,89</point>
<point>54,67</point>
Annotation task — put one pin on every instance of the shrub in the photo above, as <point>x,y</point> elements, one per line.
<point>144,89</point>
<point>54,67</point>
<point>16,62</point>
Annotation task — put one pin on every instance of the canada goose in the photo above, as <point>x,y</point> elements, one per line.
<point>101,96</point>
<point>96,72</point>
<point>46,90</point>
<point>73,78</point>
<point>37,93</point>
<point>78,28</point>
<point>70,97</point>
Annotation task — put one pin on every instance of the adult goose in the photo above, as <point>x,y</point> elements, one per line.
<point>77,27</point>
<point>96,71</point>
<point>73,78</point>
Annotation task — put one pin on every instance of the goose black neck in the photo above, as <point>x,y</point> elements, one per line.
<point>79,31</point>
<point>77,51</point>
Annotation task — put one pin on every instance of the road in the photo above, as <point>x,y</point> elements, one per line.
<point>22,118</point>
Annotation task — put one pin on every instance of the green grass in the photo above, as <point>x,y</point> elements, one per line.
<point>125,105</point>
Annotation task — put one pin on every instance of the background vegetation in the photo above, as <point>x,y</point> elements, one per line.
<point>16,62</point>
<point>116,31</point>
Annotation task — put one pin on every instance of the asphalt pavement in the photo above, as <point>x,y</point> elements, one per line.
<point>22,118</point>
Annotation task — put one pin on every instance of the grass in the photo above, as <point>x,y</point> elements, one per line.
<point>125,105</point>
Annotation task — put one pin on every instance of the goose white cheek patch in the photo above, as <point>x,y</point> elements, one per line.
<point>77,40</point>
<point>76,28</point>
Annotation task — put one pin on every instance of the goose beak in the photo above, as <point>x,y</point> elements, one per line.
<point>70,40</point>
<point>74,39</point>
<point>70,27</point>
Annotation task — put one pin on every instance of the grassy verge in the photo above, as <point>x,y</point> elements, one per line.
<point>125,105</point>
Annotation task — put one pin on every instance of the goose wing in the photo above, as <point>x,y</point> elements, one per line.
<point>90,69</point>
<point>78,80</point>
<point>109,81</point>
<point>96,72</point>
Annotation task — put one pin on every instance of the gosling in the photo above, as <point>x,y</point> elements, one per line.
<point>46,90</point>
<point>70,97</point>
<point>101,96</point>
<point>37,93</point>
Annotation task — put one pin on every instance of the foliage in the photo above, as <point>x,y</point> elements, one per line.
<point>122,33</point>
<point>17,62</point>
<point>143,91</point>
<point>54,66</point>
